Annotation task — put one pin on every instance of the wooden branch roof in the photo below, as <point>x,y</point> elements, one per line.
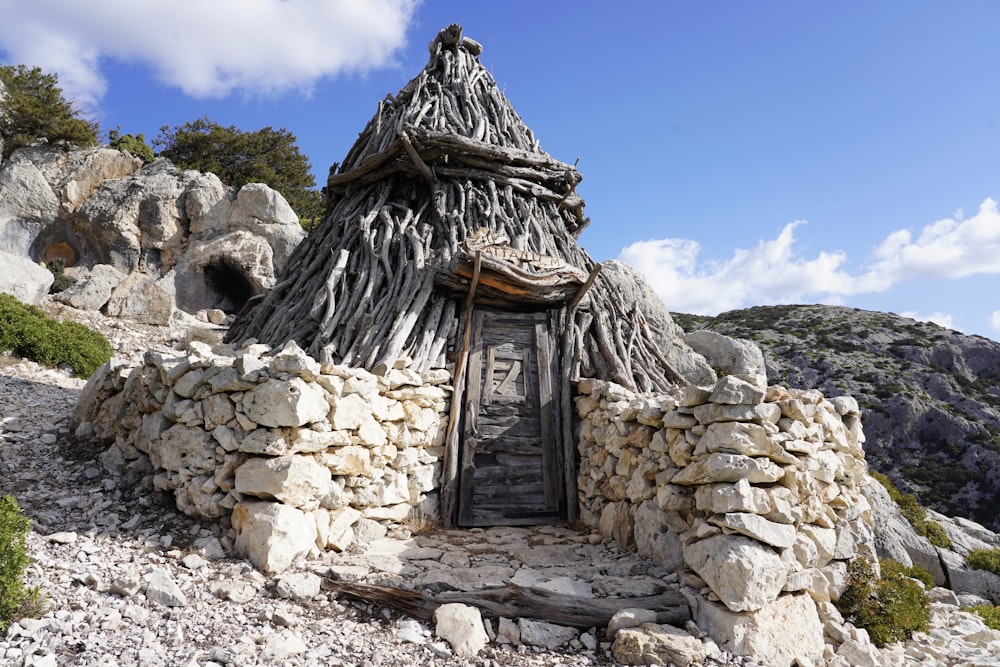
<point>445,159</point>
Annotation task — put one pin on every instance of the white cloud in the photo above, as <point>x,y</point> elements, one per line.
<point>767,273</point>
<point>775,272</point>
<point>204,48</point>
<point>949,248</point>
<point>945,320</point>
<point>995,320</point>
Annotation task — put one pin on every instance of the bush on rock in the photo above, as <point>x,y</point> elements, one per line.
<point>985,559</point>
<point>891,608</point>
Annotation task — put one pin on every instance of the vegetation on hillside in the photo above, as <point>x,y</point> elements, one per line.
<point>238,157</point>
<point>985,559</point>
<point>28,333</point>
<point>913,512</point>
<point>890,608</point>
<point>33,109</point>
<point>16,599</point>
<point>989,614</point>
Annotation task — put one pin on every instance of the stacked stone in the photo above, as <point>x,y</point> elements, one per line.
<point>303,457</point>
<point>754,492</point>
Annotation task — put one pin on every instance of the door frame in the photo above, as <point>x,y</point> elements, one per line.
<point>549,392</point>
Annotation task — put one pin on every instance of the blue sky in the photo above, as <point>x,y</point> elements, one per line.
<point>738,153</point>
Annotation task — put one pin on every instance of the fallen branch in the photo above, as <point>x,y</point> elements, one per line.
<point>518,602</point>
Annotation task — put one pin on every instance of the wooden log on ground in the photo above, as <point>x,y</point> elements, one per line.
<point>518,602</point>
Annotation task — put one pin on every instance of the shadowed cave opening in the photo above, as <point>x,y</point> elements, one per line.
<point>230,287</point>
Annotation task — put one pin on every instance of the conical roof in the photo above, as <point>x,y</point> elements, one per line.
<point>445,176</point>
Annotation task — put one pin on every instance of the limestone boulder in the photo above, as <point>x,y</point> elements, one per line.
<point>655,644</point>
<point>721,467</point>
<point>966,580</point>
<point>161,589</point>
<point>263,211</point>
<point>272,535</point>
<point>657,535</point>
<point>293,402</point>
<point>23,279</point>
<point>781,632</point>
<point>731,356</point>
<point>745,574</point>
<point>462,627</point>
<point>104,207</point>
<point>744,438</point>
<point>140,299</point>
<point>629,618</point>
<point>545,635</point>
<point>780,535</point>
<point>93,289</point>
<point>731,390</point>
<point>294,480</point>
<point>182,447</point>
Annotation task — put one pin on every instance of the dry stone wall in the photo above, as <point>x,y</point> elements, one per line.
<point>300,456</point>
<point>753,493</point>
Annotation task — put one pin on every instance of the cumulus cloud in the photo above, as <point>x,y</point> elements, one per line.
<point>995,320</point>
<point>771,272</point>
<point>950,248</point>
<point>774,271</point>
<point>207,49</point>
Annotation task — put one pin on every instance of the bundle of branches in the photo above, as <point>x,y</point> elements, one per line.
<point>446,158</point>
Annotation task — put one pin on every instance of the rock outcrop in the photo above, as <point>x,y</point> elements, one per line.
<point>929,396</point>
<point>183,239</point>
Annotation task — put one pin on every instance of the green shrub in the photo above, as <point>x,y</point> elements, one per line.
<point>891,608</point>
<point>133,144</point>
<point>914,512</point>
<point>989,614</point>
<point>16,600</point>
<point>912,571</point>
<point>985,559</point>
<point>28,333</point>
<point>61,281</point>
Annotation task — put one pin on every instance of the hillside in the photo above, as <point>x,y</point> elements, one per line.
<point>930,395</point>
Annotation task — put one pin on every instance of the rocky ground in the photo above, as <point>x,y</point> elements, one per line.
<point>131,581</point>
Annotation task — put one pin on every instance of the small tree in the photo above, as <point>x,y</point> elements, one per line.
<point>134,144</point>
<point>237,157</point>
<point>32,107</point>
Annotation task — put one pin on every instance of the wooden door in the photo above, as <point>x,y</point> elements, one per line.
<point>511,468</point>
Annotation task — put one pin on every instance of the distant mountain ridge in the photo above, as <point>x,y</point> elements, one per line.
<point>930,395</point>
